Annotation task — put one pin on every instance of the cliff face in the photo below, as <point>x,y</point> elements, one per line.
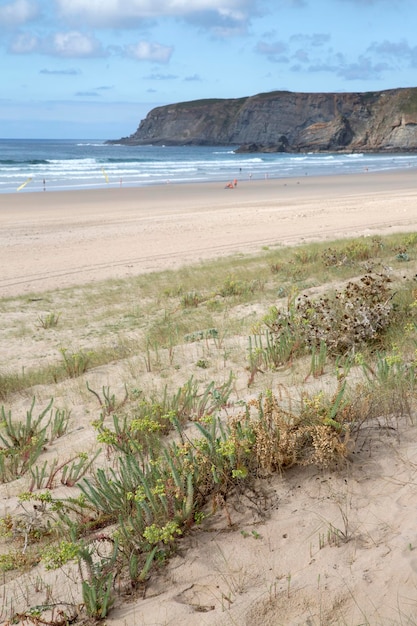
<point>289,122</point>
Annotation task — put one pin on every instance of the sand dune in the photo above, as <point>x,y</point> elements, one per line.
<point>310,548</point>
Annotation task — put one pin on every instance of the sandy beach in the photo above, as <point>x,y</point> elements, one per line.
<point>306,547</point>
<point>66,238</point>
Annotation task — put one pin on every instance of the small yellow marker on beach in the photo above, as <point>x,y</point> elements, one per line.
<point>105,175</point>
<point>24,184</point>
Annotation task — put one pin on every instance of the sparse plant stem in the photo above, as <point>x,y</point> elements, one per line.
<point>147,357</point>
<point>41,475</point>
<point>75,363</point>
<point>77,468</point>
<point>318,360</point>
<point>50,320</point>
<point>59,424</point>
<point>107,401</point>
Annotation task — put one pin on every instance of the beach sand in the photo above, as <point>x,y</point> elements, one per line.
<point>62,239</point>
<point>308,548</point>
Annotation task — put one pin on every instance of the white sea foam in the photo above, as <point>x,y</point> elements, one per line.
<point>89,163</point>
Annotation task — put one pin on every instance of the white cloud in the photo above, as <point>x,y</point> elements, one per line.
<point>161,77</point>
<point>222,23</point>
<point>18,12</point>
<point>149,51</point>
<point>71,44</point>
<point>129,12</point>
<point>192,78</point>
<point>363,69</point>
<point>75,44</point>
<point>63,72</point>
<point>24,44</point>
<point>399,53</point>
<point>275,51</point>
<point>87,94</point>
<point>315,39</point>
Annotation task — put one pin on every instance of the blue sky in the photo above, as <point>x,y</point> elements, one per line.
<point>95,68</point>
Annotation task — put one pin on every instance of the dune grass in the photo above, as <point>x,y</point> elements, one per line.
<point>218,337</point>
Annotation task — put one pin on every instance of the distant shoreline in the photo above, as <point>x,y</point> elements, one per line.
<point>60,239</point>
<point>116,185</point>
<point>83,166</point>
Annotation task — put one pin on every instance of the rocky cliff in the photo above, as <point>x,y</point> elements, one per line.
<point>283,121</point>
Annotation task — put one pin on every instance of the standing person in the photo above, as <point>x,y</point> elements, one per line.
<point>44,184</point>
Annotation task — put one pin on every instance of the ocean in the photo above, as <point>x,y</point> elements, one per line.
<point>52,164</point>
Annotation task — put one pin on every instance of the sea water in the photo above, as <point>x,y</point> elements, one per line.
<point>52,164</point>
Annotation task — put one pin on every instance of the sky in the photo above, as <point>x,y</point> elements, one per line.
<point>95,68</point>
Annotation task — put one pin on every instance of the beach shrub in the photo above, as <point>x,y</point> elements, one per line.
<point>22,442</point>
<point>75,363</point>
<point>192,299</point>
<point>70,471</point>
<point>50,320</point>
<point>150,418</point>
<point>154,498</point>
<point>97,570</point>
<point>342,320</point>
<point>198,335</point>
<point>306,256</point>
<point>389,384</point>
<point>235,287</point>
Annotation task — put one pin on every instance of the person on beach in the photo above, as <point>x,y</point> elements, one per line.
<point>229,185</point>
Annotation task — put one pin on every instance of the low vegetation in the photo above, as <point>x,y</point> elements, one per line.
<point>215,416</point>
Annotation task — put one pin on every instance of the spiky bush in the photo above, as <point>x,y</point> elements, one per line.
<point>343,320</point>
